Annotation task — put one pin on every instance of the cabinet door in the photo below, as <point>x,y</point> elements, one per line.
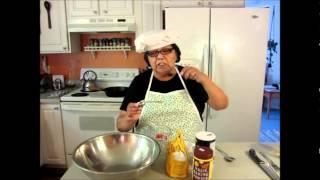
<point>54,39</point>
<point>79,8</point>
<point>151,15</point>
<point>119,7</point>
<point>52,143</point>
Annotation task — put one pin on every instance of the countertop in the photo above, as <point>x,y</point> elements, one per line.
<point>242,168</point>
<point>53,96</point>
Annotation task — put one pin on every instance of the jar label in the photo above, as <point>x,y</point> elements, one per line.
<point>202,168</point>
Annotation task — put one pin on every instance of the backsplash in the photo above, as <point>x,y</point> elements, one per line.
<point>69,65</point>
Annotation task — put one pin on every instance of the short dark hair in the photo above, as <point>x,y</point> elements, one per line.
<point>174,46</point>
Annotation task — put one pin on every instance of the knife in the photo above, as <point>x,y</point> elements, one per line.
<point>263,165</point>
<point>276,167</point>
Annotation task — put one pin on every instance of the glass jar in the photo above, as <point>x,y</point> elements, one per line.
<point>203,156</point>
<point>206,138</point>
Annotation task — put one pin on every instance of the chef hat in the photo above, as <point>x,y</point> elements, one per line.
<point>154,39</point>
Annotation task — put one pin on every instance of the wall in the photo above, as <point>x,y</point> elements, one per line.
<point>69,65</point>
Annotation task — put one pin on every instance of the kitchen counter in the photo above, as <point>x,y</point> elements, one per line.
<point>242,168</point>
<point>53,97</point>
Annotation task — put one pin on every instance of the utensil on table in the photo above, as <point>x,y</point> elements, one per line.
<point>268,149</point>
<point>265,166</point>
<point>226,156</point>
<point>275,166</point>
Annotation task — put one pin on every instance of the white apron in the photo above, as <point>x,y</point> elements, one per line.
<point>176,110</point>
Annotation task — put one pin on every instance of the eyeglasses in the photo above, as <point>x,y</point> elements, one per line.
<point>164,51</point>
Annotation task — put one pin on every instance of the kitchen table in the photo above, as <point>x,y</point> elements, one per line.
<point>242,168</point>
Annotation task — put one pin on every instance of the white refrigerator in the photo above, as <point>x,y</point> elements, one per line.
<point>230,45</point>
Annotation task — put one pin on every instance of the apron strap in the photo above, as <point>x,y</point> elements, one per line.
<point>149,85</point>
<point>185,87</point>
<point>182,81</point>
<point>145,97</point>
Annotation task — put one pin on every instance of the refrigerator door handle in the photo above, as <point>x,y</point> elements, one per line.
<point>212,114</point>
<point>205,69</point>
<point>205,59</point>
<point>210,117</point>
<point>212,58</point>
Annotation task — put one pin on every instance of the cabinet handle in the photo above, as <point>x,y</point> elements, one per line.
<point>56,108</point>
<point>64,48</point>
<point>105,11</point>
<point>95,12</point>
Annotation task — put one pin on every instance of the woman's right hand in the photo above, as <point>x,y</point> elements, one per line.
<point>127,119</point>
<point>134,111</point>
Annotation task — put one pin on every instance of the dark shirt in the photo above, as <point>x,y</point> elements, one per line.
<point>139,86</point>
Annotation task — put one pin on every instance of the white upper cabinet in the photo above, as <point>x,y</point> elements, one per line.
<point>203,3</point>
<point>119,7</point>
<point>151,15</point>
<point>78,8</point>
<point>92,8</point>
<point>53,27</point>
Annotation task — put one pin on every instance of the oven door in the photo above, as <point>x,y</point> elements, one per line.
<point>84,120</point>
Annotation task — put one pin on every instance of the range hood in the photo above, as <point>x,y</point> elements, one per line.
<point>102,24</point>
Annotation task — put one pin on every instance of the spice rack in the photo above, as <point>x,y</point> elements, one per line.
<point>94,49</point>
<point>114,44</point>
<point>107,48</point>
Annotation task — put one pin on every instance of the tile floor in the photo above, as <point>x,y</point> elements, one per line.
<point>270,128</point>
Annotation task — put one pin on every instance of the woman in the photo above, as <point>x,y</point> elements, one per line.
<point>175,96</point>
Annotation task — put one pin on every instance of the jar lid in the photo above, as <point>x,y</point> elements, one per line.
<point>206,136</point>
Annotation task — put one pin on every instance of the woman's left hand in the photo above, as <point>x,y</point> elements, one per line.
<point>193,73</point>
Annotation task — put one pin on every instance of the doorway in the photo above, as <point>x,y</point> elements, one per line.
<point>270,116</point>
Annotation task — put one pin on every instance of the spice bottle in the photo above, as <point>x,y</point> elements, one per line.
<point>203,156</point>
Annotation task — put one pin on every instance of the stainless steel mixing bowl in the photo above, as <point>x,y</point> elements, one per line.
<point>117,155</point>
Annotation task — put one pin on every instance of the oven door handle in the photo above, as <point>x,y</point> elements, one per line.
<point>90,107</point>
